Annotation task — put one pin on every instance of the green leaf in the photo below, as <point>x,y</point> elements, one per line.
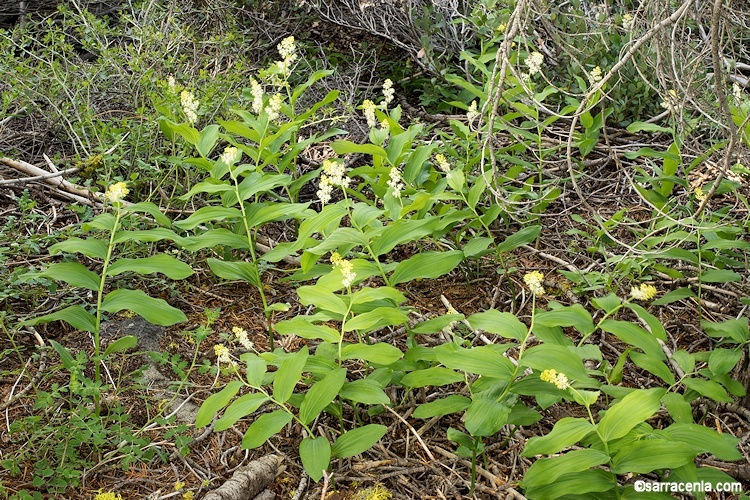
<point>316,456</point>
<point>164,264</point>
<point>207,140</point>
<point>482,360</point>
<point>348,147</point>
<point>216,402</point>
<point>380,353</point>
<point>648,127</point>
<point>679,409</point>
<point>377,318</point>
<point>634,335</point>
<point>264,427</point>
<point>148,208</point>
<point>322,299</point>
<point>485,416</point>
<point>608,303</point>
<point>288,374</point>
<point>214,238</point>
<point>155,311</point>
<point>240,408</point>
<point>321,394</point>
<point>523,237</point>
<point>435,325</point>
<point>426,265</point>
<point>720,276</point>
<point>75,316</point>
<point>641,457</point>
<point>256,368</point>
<point>444,406</point>
<point>633,409</point>
<point>370,294</point>
<point>235,270</point>
<point>575,316</point>
<point>121,344</point>
<point>735,329</point>
<point>674,296</point>
<point>90,247</point>
<point>357,440</point>
<point>722,361</point>
<point>402,231</point>
<point>547,470</point>
<point>435,376</point>
<point>708,388</point>
<point>365,391</point>
<point>302,328</point>
<point>207,214</point>
<point>477,247</point>
<point>702,439</point>
<point>549,356</point>
<point>65,356</point>
<point>566,432</point>
<point>505,324</point>
<point>576,485</point>
<point>72,273</point>
<point>653,365</point>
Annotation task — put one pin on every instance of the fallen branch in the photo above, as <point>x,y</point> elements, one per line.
<point>248,482</point>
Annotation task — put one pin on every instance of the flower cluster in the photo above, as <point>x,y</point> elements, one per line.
<point>472,112</point>
<point>534,63</point>
<point>671,101</point>
<point>230,156</point>
<point>559,379</point>
<point>369,109</point>
<point>172,84</point>
<point>288,52</point>
<point>395,182</point>
<point>257,91</point>
<point>534,280</point>
<point>643,292</point>
<point>334,174</point>
<point>699,194</point>
<point>189,106</point>
<point>627,21</point>
<point>107,496</point>
<point>222,354</point>
<point>442,163</point>
<point>388,92</point>
<point>595,75</point>
<point>274,106</point>
<point>241,335</point>
<point>116,192</point>
<point>737,91</point>
<point>347,269</point>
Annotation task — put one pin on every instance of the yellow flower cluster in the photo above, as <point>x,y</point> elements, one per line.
<point>257,92</point>
<point>595,75</point>
<point>189,106</point>
<point>116,192</point>
<point>368,107</point>
<point>534,280</point>
<point>222,354</point>
<point>288,52</point>
<point>347,269</point>
<point>394,181</point>
<point>472,112</point>
<point>230,156</point>
<point>241,335</point>
<point>388,92</point>
<point>559,379</point>
<point>442,163</point>
<point>643,292</point>
<point>107,496</point>
<point>534,63</point>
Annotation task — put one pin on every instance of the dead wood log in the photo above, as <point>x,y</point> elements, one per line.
<point>249,482</point>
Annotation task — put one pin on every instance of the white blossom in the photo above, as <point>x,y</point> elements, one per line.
<point>534,63</point>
